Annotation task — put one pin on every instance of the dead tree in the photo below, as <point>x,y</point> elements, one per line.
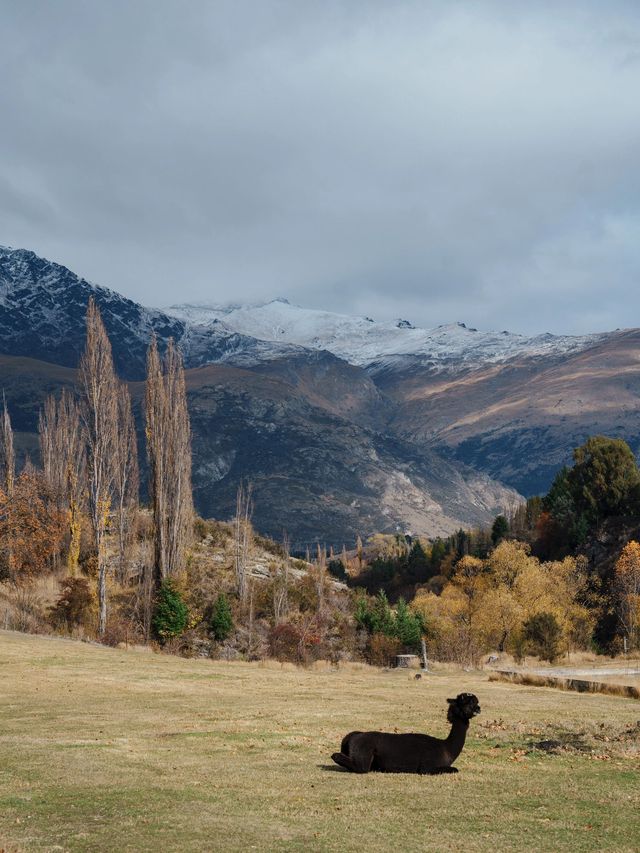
<point>126,480</point>
<point>242,537</point>
<point>99,387</point>
<point>64,463</point>
<point>169,451</point>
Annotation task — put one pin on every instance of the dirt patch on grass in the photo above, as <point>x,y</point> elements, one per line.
<point>605,740</point>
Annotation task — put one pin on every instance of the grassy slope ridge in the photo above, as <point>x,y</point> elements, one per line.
<point>105,749</point>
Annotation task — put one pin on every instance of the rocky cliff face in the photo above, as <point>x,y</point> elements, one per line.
<point>316,474</point>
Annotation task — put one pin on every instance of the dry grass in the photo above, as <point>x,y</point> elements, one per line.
<point>582,685</point>
<point>103,750</point>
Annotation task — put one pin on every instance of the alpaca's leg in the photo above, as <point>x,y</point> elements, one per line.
<point>343,761</point>
<point>438,770</point>
<point>359,763</point>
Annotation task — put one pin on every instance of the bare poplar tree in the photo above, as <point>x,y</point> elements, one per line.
<point>100,411</point>
<point>7,472</point>
<point>157,440</point>
<point>181,493</point>
<point>127,479</point>
<point>242,537</point>
<point>345,559</point>
<point>169,450</point>
<point>7,452</point>
<point>281,584</point>
<point>321,576</point>
<point>64,463</point>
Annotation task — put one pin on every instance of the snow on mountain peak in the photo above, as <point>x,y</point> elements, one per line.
<point>363,341</point>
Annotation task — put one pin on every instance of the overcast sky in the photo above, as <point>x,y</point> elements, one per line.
<point>440,161</point>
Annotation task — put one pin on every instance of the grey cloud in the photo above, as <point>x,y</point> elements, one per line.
<point>445,161</point>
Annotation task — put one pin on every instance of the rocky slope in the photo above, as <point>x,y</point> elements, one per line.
<point>519,421</point>
<point>317,474</point>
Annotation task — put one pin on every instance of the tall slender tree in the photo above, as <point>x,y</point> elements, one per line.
<point>242,537</point>
<point>64,463</point>
<point>126,480</point>
<point>168,435</point>
<point>7,452</point>
<point>281,584</point>
<point>320,576</point>
<point>100,415</point>
<point>7,476</point>
<point>626,592</point>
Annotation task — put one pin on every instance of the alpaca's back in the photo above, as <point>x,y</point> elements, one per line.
<point>397,753</point>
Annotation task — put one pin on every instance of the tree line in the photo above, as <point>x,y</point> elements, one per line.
<point>90,473</point>
<point>537,581</point>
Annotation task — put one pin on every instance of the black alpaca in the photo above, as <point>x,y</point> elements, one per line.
<point>361,752</point>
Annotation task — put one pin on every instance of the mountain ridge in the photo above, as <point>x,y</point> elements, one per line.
<point>364,342</point>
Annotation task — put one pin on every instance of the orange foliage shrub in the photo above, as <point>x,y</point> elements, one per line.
<point>32,528</point>
<point>383,649</point>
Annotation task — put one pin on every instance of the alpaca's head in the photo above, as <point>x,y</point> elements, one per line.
<point>463,707</point>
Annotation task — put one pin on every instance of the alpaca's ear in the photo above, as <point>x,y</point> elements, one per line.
<point>451,701</point>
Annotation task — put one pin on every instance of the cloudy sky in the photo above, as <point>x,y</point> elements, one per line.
<point>441,161</point>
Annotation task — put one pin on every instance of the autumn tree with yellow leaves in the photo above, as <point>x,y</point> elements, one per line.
<point>626,592</point>
<point>487,603</point>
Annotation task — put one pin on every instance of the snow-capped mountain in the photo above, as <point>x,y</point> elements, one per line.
<point>42,308</point>
<point>42,315</point>
<point>364,342</point>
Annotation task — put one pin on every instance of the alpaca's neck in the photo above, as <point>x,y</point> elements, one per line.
<point>457,737</point>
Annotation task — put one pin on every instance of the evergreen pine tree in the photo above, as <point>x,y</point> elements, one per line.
<point>170,614</point>
<point>221,621</point>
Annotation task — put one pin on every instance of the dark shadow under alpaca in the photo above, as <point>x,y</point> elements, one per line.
<point>361,752</point>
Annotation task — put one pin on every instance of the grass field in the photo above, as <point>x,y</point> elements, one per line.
<point>111,750</point>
